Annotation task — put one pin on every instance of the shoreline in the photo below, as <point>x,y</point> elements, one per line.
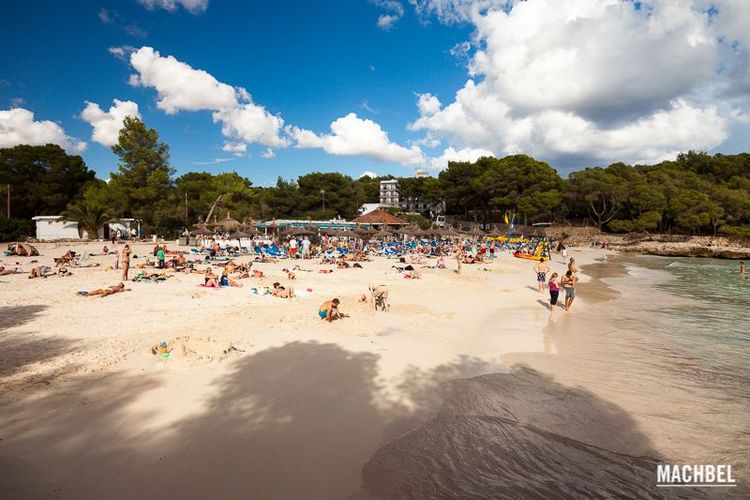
<point>87,408</point>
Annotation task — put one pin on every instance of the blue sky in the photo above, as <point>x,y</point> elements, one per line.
<point>526,80</point>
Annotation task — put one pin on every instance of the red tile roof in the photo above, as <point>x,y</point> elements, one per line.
<point>380,217</point>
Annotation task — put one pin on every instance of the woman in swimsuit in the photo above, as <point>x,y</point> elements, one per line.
<point>554,291</point>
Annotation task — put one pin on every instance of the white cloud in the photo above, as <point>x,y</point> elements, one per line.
<point>215,161</point>
<point>352,135</point>
<point>428,104</point>
<point>251,123</point>
<point>268,154</point>
<point>368,173</point>
<point>192,6</point>
<point>450,154</point>
<point>107,125</point>
<point>104,16</point>
<point>181,87</point>
<point>236,148</point>
<point>17,126</point>
<point>395,12</point>
<point>122,52</point>
<point>386,21</point>
<point>602,80</point>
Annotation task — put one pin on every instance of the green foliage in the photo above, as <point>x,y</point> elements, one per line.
<point>90,213</point>
<point>43,179</point>
<point>420,220</point>
<point>143,187</point>
<point>15,229</point>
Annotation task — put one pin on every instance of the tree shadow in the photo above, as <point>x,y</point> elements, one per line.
<point>302,420</point>
<point>21,348</point>
<point>517,435</point>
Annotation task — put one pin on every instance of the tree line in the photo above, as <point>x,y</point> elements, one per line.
<point>695,193</point>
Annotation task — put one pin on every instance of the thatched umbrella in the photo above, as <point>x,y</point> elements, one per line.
<point>384,233</point>
<point>202,231</point>
<point>450,232</point>
<point>476,232</point>
<point>241,234</point>
<point>495,232</point>
<point>229,224</point>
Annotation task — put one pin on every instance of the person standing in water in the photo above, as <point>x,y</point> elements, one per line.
<point>742,268</point>
<point>569,284</point>
<point>541,271</point>
<point>554,292</point>
<point>125,261</point>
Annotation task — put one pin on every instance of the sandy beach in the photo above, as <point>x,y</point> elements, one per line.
<point>261,398</point>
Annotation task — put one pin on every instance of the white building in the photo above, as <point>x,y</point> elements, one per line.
<point>389,193</point>
<point>52,227</point>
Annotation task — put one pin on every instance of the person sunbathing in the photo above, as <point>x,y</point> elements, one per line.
<point>120,287</point>
<point>282,292</point>
<point>289,274</point>
<point>257,274</point>
<point>40,272</point>
<point>227,281</point>
<point>330,310</point>
<point>210,279</point>
<point>6,272</point>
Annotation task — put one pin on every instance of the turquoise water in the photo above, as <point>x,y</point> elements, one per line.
<point>705,314</point>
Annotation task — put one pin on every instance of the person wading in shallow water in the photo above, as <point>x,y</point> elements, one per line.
<point>569,284</point>
<point>541,271</point>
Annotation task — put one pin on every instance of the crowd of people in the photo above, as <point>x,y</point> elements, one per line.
<point>220,264</point>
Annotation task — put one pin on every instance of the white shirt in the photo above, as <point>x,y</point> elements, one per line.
<point>292,243</point>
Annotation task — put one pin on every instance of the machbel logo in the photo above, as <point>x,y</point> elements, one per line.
<point>694,476</point>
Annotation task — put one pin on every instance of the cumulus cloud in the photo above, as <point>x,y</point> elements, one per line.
<point>352,135</point>
<point>17,126</point>
<point>606,80</point>
<point>368,173</point>
<point>179,86</point>
<point>182,87</point>
<point>107,124</point>
<point>251,123</point>
<point>428,104</point>
<point>268,154</point>
<point>236,148</point>
<point>451,154</point>
<point>192,6</point>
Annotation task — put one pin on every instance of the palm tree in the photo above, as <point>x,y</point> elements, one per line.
<point>90,216</point>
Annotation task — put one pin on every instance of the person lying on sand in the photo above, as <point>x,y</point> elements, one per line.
<point>227,281</point>
<point>330,310</point>
<point>120,287</point>
<point>40,272</point>
<point>6,272</point>
<point>257,273</point>
<point>289,274</point>
<point>282,292</point>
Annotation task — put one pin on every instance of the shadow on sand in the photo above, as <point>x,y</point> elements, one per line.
<point>301,421</point>
<point>20,349</point>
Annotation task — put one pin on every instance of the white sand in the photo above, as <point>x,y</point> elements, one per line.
<point>259,398</point>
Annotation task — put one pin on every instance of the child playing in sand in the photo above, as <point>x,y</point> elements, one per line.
<point>330,310</point>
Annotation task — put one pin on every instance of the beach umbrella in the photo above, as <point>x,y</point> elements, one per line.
<point>241,234</point>
<point>476,232</point>
<point>229,224</point>
<point>450,232</point>
<point>495,232</point>
<point>383,233</point>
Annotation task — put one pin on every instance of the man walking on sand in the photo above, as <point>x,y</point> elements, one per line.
<point>541,271</point>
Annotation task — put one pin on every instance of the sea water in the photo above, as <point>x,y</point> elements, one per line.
<point>656,370</point>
